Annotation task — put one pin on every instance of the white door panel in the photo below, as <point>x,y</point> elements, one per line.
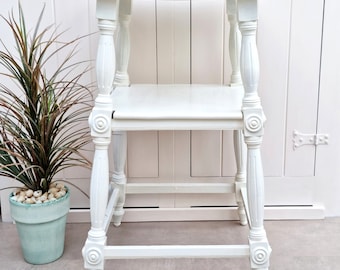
<point>327,167</point>
<point>303,83</point>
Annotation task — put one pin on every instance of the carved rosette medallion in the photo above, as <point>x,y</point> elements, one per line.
<point>93,256</point>
<point>253,123</point>
<point>100,124</point>
<point>260,255</point>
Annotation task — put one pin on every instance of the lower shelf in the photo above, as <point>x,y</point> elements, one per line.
<point>206,213</point>
<point>176,251</point>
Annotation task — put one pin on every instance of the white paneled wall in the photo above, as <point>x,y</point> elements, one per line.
<point>186,41</point>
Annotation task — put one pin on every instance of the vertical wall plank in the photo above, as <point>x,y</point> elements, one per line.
<point>226,58</point>
<point>32,11</point>
<point>166,166</point>
<point>228,154</point>
<point>93,30</point>
<point>273,44</point>
<point>143,62</point>
<point>143,146</point>
<point>182,155</point>
<point>174,60</point>
<point>207,34</point>
<point>76,24</point>
<point>173,41</point>
<point>206,153</point>
<point>142,157</point>
<point>173,66</point>
<point>304,67</point>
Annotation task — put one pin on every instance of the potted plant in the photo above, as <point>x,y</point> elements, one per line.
<point>42,132</point>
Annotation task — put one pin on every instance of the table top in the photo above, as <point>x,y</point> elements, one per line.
<point>178,107</point>
<point>177,102</point>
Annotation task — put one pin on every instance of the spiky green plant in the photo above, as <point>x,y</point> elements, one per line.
<point>42,117</point>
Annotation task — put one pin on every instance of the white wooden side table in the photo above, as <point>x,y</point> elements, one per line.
<point>121,107</point>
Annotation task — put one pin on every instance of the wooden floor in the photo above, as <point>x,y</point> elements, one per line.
<point>297,245</point>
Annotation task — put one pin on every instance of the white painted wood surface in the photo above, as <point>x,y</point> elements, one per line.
<point>283,32</point>
<point>120,107</point>
<point>303,87</point>
<point>327,169</point>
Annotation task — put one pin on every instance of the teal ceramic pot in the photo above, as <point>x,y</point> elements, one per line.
<point>41,228</point>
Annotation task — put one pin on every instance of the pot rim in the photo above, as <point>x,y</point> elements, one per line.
<point>40,204</point>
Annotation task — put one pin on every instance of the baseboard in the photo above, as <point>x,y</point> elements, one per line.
<point>204,214</point>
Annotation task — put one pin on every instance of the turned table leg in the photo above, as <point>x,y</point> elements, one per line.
<point>123,44</point>
<point>240,178</point>
<point>234,43</point>
<point>118,176</point>
<point>96,240</point>
<point>100,125</point>
<point>253,132</point>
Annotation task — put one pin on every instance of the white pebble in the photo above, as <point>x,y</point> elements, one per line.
<point>58,195</point>
<point>44,197</point>
<point>29,193</point>
<point>21,198</point>
<point>37,193</point>
<point>29,201</point>
<point>53,190</point>
<point>60,186</point>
